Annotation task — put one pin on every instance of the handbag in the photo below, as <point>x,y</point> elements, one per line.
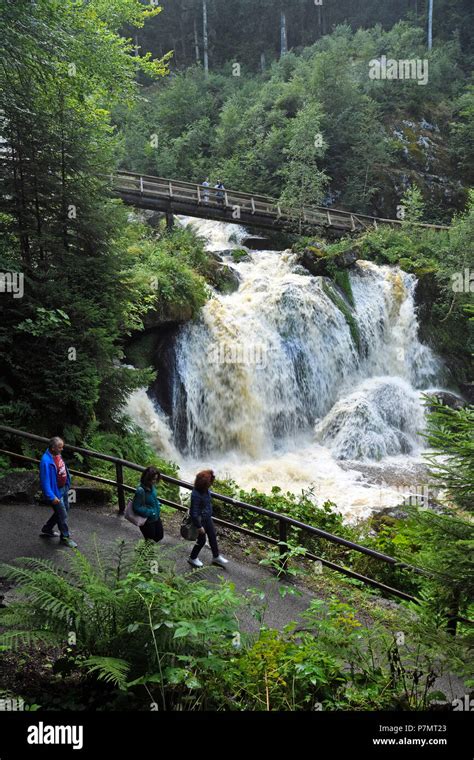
<point>188,530</point>
<point>132,516</point>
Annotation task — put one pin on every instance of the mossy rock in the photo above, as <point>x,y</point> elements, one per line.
<point>239,254</point>
<point>342,280</point>
<point>141,351</point>
<point>226,280</point>
<point>346,311</point>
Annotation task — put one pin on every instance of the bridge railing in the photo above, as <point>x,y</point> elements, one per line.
<point>191,193</point>
<point>284,522</point>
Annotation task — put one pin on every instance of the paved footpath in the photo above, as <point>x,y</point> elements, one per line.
<point>21,525</point>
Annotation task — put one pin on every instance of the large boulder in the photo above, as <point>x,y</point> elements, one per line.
<point>221,275</point>
<point>314,259</point>
<point>227,279</point>
<point>467,390</point>
<point>256,243</point>
<point>448,399</point>
<point>19,486</point>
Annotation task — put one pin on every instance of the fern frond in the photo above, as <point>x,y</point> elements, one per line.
<point>83,569</point>
<point>16,639</point>
<point>40,563</point>
<point>109,669</point>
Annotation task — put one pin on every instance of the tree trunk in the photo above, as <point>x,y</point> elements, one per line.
<point>196,43</point>
<point>262,62</point>
<point>430,24</point>
<point>205,37</point>
<point>283,35</point>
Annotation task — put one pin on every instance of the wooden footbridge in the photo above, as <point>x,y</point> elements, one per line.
<point>175,197</point>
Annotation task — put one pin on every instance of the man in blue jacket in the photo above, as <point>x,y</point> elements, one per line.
<point>55,482</point>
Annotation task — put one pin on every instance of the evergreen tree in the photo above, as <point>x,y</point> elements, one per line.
<point>64,66</point>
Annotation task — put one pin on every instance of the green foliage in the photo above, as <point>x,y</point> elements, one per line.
<point>302,507</point>
<point>311,120</point>
<point>450,437</point>
<point>335,662</point>
<point>138,626</point>
<point>127,632</point>
<point>68,62</point>
<point>303,181</point>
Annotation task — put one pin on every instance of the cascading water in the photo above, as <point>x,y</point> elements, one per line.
<point>276,386</point>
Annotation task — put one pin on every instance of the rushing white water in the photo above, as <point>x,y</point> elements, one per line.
<point>219,236</point>
<point>147,415</point>
<point>278,390</point>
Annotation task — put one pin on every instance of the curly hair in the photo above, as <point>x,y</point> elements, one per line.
<point>204,480</point>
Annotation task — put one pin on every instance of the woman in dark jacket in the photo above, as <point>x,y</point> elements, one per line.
<point>201,515</point>
<point>146,504</point>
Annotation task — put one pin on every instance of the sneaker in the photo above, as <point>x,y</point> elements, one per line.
<point>50,533</point>
<point>68,542</point>
<point>220,560</point>
<point>195,562</point>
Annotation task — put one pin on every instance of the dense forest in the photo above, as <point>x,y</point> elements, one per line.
<point>275,98</point>
<point>243,30</point>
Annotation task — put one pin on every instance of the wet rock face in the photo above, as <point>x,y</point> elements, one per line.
<point>19,486</point>
<point>422,159</point>
<point>448,399</point>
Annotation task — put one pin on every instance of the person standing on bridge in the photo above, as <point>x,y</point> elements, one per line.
<point>206,187</point>
<point>201,515</point>
<point>220,192</point>
<point>146,504</point>
<point>55,482</point>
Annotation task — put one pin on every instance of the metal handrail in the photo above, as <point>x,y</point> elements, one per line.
<point>238,528</point>
<point>283,520</point>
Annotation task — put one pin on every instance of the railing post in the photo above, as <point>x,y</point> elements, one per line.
<point>141,184</point>
<point>283,545</point>
<point>120,491</point>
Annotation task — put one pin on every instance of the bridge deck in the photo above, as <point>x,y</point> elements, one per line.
<point>178,197</point>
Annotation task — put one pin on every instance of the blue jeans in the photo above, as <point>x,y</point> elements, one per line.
<point>59,516</point>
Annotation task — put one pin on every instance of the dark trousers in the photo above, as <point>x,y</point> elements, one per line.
<point>60,513</point>
<point>208,526</point>
<point>152,530</point>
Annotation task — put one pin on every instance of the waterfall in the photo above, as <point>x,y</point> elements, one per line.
<point>275,384</point>
<point>268,362</point>
<point>151,419</point>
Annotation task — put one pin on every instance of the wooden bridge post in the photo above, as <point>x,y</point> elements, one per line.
<point>169,220</point>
